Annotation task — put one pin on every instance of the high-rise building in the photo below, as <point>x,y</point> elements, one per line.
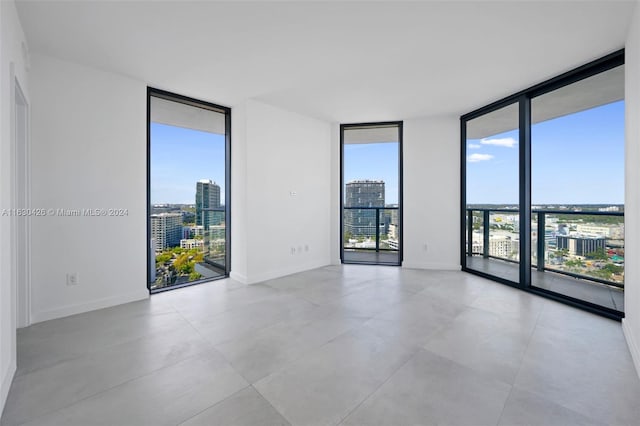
<point>207,197</point>
<point>191,243</point>
<point>504,246</point>
<point>166,230</point>
<point>581,245</point>
<point>363,193</point>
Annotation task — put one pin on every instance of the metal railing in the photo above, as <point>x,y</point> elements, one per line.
<point>540,245</point>
<point>377,225</point>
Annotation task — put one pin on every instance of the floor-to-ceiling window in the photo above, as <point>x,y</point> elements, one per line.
<point>543,188</point>
<point>188,190</point>
<point>371,193</point>
<point>577,189</point>
<point>493,206</point>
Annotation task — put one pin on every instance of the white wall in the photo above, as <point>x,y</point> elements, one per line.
<point>431,156</point>
<point>13,63</point>
<point>284,152</point>
<point>239,217</point>
<point>88,152</point>
<point>631,323</point>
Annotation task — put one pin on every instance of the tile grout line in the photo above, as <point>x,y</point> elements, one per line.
<point>92,352</point>
<point>270,404</point>
<point>524,354</point>
<point>300,356</point>
<point>213,405</point>
<point>108,389</point>
<point>393,373</point>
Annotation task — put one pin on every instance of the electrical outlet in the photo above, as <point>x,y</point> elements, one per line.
<point>72,278</point>
<point>293,251</point>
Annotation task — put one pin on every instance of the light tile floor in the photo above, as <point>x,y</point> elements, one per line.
<point>356,345</point>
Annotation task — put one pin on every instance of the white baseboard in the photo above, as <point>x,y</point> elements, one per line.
<point>79,308</point>
<point>238,277</point>
<point>6,383</point>
<point>432,266</point>
<point>270,275</point>
<point>634,348</point>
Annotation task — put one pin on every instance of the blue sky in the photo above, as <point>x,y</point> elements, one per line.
<point>375,161</point>
<point>179,158</point>
<point>575,159</point>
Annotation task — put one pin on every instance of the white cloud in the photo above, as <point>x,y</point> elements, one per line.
<point>474,158</point>
<point>506,142</point>
<point>474,146</point>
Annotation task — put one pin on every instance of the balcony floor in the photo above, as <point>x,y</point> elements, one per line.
<point>371,257</point>
<point>588,291</point>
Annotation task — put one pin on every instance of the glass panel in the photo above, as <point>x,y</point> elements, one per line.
<point>577,150</point>
<point>493,240</point>
<point>371,227</point>
<point>187,191</point>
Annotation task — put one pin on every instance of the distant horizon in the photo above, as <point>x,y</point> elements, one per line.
<point>575,159</point>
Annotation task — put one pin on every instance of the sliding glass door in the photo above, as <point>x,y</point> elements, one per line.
<point>543,188</point>
<point>188,191</point>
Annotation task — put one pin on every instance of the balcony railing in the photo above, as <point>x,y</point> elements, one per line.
<point>371,229</point>
<point>580,244</point>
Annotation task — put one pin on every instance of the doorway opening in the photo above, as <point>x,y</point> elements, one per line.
<point>371,193</point>
<point>20,197</point>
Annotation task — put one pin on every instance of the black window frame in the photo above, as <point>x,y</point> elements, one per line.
<point>163,94</point>
<point>523,98</point>
<point>347,126</point>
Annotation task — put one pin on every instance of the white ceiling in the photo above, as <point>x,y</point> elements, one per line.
<point>338,61</point>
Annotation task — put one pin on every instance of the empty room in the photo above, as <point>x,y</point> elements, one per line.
<point>319,212</point>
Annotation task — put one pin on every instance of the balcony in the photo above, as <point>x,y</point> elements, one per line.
<point>371,235</point>
<point>578,254</point>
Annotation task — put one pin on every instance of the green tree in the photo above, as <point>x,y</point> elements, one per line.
<point>562,253</point>
<point>574,263</point>
<point>599,254</point>
<point>613,268</point>
<point>163,258</point>
<point>181,261</point>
